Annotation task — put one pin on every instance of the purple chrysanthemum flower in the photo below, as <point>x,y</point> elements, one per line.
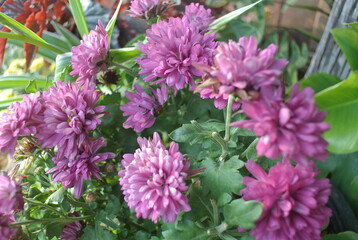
<point>70,114</point>
<point>72,231</point>
<point>142,108</point>
<point>21,119</point>
<point>173,46</point>
<point>149,9</point>
<point>240,68</point>
<point>73,172</point>
<point>197,15</point>
<point>6,232</point>
<point>293,129</point>
<point>293,200</point>
<point>11,199</point>
<point>153,180</point>
<point>90,56</point>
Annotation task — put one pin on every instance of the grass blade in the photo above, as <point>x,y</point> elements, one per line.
<point>79,16</point>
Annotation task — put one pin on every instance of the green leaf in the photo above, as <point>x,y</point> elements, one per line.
<point>341,103</point>
<point>63,66</point>
<point>57,196</point>
<point>347,39</point>
<point>17,27</point>
<point>184,230</point>
<point>242,213</point>
<point>112,22</point>
<point>309,7</point>
<point>49,55</point>
<point>32,41</point>
<point>20,81</point>
<point>220,22</point>
<point>69,36</point>
<point>123,54</point>
<point>56,40</point>
<point>222,178</point>
<point>353,25</point>
<point>77,13</point>
<point>319,81</point>
<point>342,236</point>
<point>5,103</point>
<point>31,87</point>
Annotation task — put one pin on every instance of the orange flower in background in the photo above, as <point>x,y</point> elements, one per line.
<point>34,14</point>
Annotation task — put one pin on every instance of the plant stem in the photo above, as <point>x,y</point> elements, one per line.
<point>50,220</point>
<point>228,118</point>
<point>222,143</point>
<point>126,69</point>
<point>44,205</point>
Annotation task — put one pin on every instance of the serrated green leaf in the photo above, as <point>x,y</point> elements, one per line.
<point>220,22</point>
<point>77,13</point>
<point>222,178</point>
<point>347,39</point>
<point>184,230</point>
<point>341,102</point>
<point>242,213</point>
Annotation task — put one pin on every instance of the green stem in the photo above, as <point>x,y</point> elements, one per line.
<point>50,220</point>
<point>228,118</point>
<point>224,149</point>
<point>215,211</point>
<point>44,206</point>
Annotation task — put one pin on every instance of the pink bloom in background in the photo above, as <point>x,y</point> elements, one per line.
<point>21,119</point>
<point>293,129</point>
<point>6,232</point>
<point>238,69</point>
<point>142,108</point>
<point>173,46</point>
<point>153,180</point>
<point>198,16</point>
<point>148,9</point>
<point>11,199</point>
<point>294,201</point>
<point>73,230</point>
<point>90,56</point>
<point>73,172</point>
<point>70,114</point>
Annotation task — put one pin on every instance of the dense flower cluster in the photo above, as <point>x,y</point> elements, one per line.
<point>11,201</point>
<point>173,46</point>
<point>294,201</point>
<point>142,108</point>
<point>153,180</point>
<point>198,16</point>
<point>149,9</point>
<point>21,119</point>
<point>90,56</point>
<point>240,68</point>
<point>69,115</point>
<point>73,172</point>
<point>293,129</point>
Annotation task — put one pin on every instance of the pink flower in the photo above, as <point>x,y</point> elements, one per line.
<point>11,199</point>
<point>73,172</point>
<point>240,68</point>
<point>293,129</point>
<point>142,108</point>
<point>173,46</point>
<point>149,9</point>
<point>21,119</point>
<point>90,56</point>
<point>198,16</point>
<point>153,180</point>
<point>73,230</point>
<point>293,199</point>
<point>6,232</point>
<point>69,116</point>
